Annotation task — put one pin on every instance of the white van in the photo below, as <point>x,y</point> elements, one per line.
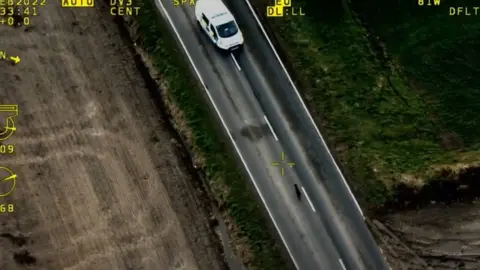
<point>219,24</point>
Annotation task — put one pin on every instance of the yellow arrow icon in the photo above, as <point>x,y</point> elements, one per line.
<point>15,59</point>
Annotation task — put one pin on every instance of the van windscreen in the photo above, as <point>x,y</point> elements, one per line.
<point>227,29</point>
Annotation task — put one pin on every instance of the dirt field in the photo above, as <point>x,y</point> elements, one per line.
<point>444,237</point>
<point>437,237</point>
<point>100,182</point>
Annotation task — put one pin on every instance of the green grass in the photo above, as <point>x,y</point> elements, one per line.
<point>231,188</point>
<point>440,53</point>
<point>386,126</point>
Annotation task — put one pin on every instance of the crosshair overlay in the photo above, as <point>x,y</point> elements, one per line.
<point>282,163</point>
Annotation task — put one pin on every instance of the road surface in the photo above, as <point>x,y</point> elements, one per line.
<point>265,117</point>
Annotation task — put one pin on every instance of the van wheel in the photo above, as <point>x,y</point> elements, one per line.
<point>199,25</point>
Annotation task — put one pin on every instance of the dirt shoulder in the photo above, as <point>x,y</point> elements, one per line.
<point>101,183</point>
<point>438,236</point>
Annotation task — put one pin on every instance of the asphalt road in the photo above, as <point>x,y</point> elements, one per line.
<point>265,117</point>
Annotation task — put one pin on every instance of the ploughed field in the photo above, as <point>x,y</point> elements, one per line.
<point>100,180</point>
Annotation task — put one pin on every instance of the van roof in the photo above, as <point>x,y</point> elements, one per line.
<point>215,10</point>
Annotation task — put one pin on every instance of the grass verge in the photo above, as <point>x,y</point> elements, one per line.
<point>230,188</point>
<point>439,54</point>
<point>383,128</point>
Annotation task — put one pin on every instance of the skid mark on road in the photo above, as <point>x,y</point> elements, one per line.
<point>252,132</point>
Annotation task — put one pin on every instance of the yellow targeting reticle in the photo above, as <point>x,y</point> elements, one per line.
<point>8,181</point>
<point>7,115</point>
<point>282,162</point>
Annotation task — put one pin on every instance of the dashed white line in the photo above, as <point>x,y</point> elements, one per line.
<point>271,128</point>
<point>341,264</point>
<point>303,104</point>
<point>308,199</point>
<point>235,61</point>
<point>169,19</point>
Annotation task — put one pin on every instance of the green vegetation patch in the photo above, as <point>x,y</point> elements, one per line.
<point>220,166</point>
<point>440,54</point>
<point>385,127</point>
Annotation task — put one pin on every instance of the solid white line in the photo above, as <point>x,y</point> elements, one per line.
<point>308,199</point>
<point>228,132</point>
<point>341,263</point>
<point>303,104</point>
<point>271,128</point>
<point>235,61</point>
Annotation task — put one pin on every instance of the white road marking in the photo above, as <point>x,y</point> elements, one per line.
<point>303,104</point>
<point>271,128</point>
<point>169,19</point>
<point>341,264</point>
<point>308,199</point>
<point>235,61</point>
